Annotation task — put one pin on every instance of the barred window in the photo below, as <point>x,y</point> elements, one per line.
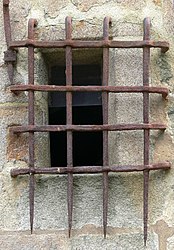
<point>78,109</point>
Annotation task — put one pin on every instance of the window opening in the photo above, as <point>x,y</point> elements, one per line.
<point>86,110</point>
<point>69,44</point>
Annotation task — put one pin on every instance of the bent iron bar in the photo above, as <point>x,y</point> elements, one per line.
<point>115,89</point>
<point>68,44</point>
<point>82,128</point>
<point>10,54</point>
<point>91,169</point>
<point>90,44</point>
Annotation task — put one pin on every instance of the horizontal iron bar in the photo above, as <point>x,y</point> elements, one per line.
<point>83,128</point>
<point>116,89</point>
<point>90,169</point>
<point>90,44</point>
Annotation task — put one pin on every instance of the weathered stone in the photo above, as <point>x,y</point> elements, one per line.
<point>55,240</point>
<point>87,5</point>
<point>164,232</point>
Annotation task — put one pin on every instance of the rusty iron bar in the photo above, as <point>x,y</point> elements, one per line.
<point>114,89</point>
<point>91,44</point>
<point>7,26</point>
<point>91,169</point>
<point>105,100</point>
<point>31,25</point>
<point>84,128</point>
<point>146,69</point>
<point>10,54</point>
<point>68,28</point>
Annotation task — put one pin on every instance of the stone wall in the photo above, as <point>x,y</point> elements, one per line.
<point>125,218</point>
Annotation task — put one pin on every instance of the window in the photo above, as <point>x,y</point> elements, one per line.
<point>86,110</point>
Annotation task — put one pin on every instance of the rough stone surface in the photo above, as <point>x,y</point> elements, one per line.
<point>125,213</point>
<point>81,240</point>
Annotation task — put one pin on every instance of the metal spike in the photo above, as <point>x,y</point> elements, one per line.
<point>106,23</point>
<point>68,28</point>
<point>70,203</point>
<point>31,25</point>
<point>146,65</point>
<point>31,198</point>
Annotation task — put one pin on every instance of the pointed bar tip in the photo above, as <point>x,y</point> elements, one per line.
<point>104,232</point>
<point>145,241</point>
<point>31,228</point>
<point>31,223</point>
<point>69,232</point>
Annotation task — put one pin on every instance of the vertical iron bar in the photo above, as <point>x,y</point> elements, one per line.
<point>7,28</point>
<point>105,96</point>
<point>69,122</point>
<point>146,65</point>
<point>31,25</point>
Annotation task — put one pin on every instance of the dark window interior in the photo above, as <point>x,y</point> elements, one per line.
<point>87,109</point>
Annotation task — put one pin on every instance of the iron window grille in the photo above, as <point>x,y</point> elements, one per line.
<point>69,44</point>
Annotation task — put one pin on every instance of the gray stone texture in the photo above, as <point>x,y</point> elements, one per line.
<point>125,213</point>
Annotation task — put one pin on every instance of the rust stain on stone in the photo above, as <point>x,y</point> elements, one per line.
<point>158,2</point>
<point>17,147</point>
<point>80,24</point>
